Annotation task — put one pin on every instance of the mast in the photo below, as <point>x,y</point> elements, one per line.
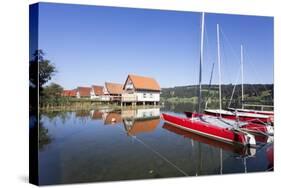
<point>201,61</point>
<point>242,73</point>
<point>219,64</point>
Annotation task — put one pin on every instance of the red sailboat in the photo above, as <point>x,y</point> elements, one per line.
<point>243,124</point>
<point>255,116</point>
<point>242,116</point>
<point>210,126</point>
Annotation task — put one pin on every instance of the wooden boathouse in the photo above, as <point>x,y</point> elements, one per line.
<point>140,90</point>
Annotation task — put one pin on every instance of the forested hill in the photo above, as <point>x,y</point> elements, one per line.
<point>253,92</point>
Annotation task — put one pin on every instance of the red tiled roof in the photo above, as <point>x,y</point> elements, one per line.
<point>143,83</point>
<point>114,88</point>
<point>98,90</point>
<point>69,93</point>
<point>84,91</point>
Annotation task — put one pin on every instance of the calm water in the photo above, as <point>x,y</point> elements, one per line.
<point>106,145</point>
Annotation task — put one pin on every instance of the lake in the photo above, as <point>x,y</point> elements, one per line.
<point>109,145</point>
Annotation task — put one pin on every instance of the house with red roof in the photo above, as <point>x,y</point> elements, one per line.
<point>96,92</point>
<point>140,89</point>
<point>112,92</point>
<point>83,92</point>
<point>69,93</point>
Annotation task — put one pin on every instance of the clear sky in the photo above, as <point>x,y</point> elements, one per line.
<point>90,45</point>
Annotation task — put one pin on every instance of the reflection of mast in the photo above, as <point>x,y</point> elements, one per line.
<point>221,161</point>
<point>245,164</point>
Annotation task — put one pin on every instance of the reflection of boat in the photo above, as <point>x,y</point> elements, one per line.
<point>140,120</point>
<point>112,118</point>
<point>236,149</point>
<point>210,127</point>
<point>270,157</point>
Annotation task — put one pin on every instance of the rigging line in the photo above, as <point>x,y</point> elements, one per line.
<point>233,91</point>
<point>225,62</point>
<point>159,154</point>
<point>228,43</point>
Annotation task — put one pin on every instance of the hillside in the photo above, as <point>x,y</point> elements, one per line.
<point>254,93</point>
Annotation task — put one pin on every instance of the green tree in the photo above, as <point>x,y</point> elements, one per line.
<point>41,69</point>
<point>51,94</point>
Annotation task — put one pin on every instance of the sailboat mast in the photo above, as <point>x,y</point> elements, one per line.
<point>242,74</point>
<point>219,64</point>
<point>201,61</point>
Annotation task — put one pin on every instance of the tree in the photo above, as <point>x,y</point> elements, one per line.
<point>41,69</point>
<point>51,94</point>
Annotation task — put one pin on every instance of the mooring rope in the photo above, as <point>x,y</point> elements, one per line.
<point>160,155</point>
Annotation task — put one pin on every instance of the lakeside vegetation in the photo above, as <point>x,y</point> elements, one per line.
<point>253,93</point>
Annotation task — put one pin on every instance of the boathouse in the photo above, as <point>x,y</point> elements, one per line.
<point>96,92</point>
<point>112,92</point>
<point>83,92</point>
<point>140,90</point>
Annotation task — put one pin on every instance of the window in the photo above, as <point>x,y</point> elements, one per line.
<point>144,95</point>
<point>151,95</point>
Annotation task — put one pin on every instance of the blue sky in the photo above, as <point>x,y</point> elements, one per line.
<point>90,45</point>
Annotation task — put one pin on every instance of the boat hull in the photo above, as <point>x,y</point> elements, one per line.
<point>250,126</point>
<point>241,117</point>
<point>208,130</point>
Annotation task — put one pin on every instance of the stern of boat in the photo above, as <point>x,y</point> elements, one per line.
<point>251,141</point>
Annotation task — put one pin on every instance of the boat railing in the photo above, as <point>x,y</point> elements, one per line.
<point>261,107</point>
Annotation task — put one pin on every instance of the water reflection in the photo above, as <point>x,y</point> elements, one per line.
<point>243,151</point>
<point>107,145</point>
<point>140,120</point>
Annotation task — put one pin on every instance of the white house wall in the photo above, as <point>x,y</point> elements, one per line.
<point>149,96</point>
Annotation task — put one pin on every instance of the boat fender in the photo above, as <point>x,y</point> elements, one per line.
<point>250,139</point>
<point>270,139</point>
<point>252,151</point>
<point>270,130</point>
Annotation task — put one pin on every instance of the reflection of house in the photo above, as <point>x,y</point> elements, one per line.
<point>96,114</point>
<point>112,92</point>
<point>141,113</point>
<point>139,89</point>
<point>112,118</point>
<point>83,92</point>
<point>140,120</point>
<point>82,113</point>
<point>69,93</point>
<point>96,92</point>
<point>140,126</point>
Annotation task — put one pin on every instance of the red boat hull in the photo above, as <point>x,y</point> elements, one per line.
<point>241,150</point>
<point>251,127</point>
<point>206,129</point>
